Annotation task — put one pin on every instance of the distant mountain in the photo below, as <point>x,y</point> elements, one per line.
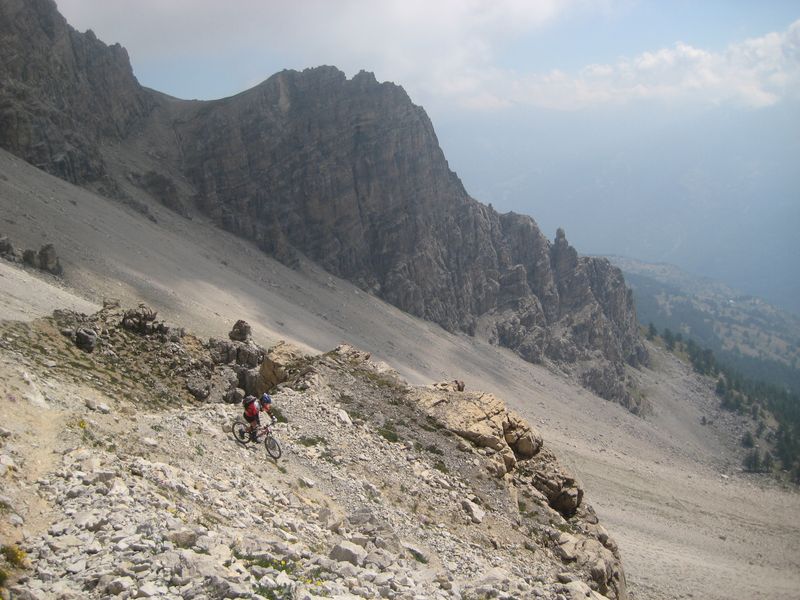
<point>346,172</point>
<point>745,332</point>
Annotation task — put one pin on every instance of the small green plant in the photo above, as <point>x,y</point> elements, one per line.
<point>418,556</point>
<point>265,562</point>
<point>389,434</point>
<point>564,527</point>
<point>281,593</point>
<point>522,506</point>
<point>380,380</point>
<point>3,578</point>
<point>199,450</point>
<point>355,414</point>
<point>440,466</point>
<point>13,554</point>
<point>309,441</point>
<point>279,415</point>
<point>434,449</point>
<point>431,424</point>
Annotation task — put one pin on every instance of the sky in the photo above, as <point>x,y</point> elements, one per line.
<point>664,131</point>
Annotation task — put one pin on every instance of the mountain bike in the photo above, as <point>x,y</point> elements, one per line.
<point>241,431</point>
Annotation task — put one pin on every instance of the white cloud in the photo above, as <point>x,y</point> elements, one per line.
<point>755,73</point>
<point>442,52</point>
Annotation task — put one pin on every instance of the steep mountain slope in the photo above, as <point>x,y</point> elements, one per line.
<point>346,172</point>
<point>667,486</point>
<point>380,493</point>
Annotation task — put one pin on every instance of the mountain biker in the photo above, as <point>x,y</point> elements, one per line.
<point>253,409</point>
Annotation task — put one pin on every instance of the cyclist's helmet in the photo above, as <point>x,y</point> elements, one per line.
<point>265,399</point>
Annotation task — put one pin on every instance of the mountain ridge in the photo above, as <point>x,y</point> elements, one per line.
<point>346,172</point>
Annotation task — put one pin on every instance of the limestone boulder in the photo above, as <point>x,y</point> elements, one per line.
<point>475,512</point>
<point>349,552</point>
<point>6,248</point>
<point>278,359</point>
<point>86,339</point>
<point>563,491</point>
<point>523,439</point>
<point>589,555</point>
<point>241,332</point>
<point>48,260</point>
<point>198,385</point>
<point>222,351</point>
<point>29,258</point>
<point>483,419</point>
<point>249,355</point>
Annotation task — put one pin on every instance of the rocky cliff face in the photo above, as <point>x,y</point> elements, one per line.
<point>62,92</point>
<point>346,172</point>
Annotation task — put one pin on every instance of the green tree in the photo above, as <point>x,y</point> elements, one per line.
<point>752,461</point>
<point>652,332</point>
<point>669,340</point>
<point>768,464</point>
<point>747,440</point>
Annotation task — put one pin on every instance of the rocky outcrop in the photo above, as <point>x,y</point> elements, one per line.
<point>45,259</point>
<point>277,363</point>
<point>241,331</point>
<point>142,494</point>
<point>347,172</point>
<point>482,419</point>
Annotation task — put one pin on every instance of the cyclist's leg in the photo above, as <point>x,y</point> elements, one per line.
<point>255,424</point>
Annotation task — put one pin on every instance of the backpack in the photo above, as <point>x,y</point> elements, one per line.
<point>250,406</point>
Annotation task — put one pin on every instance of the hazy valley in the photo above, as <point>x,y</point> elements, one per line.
<point>755,338</point>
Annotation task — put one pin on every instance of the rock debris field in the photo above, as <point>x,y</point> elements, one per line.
<point>384,490</point>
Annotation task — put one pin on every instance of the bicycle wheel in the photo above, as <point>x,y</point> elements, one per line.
<point>273,447</point>
<point>241,432</point>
